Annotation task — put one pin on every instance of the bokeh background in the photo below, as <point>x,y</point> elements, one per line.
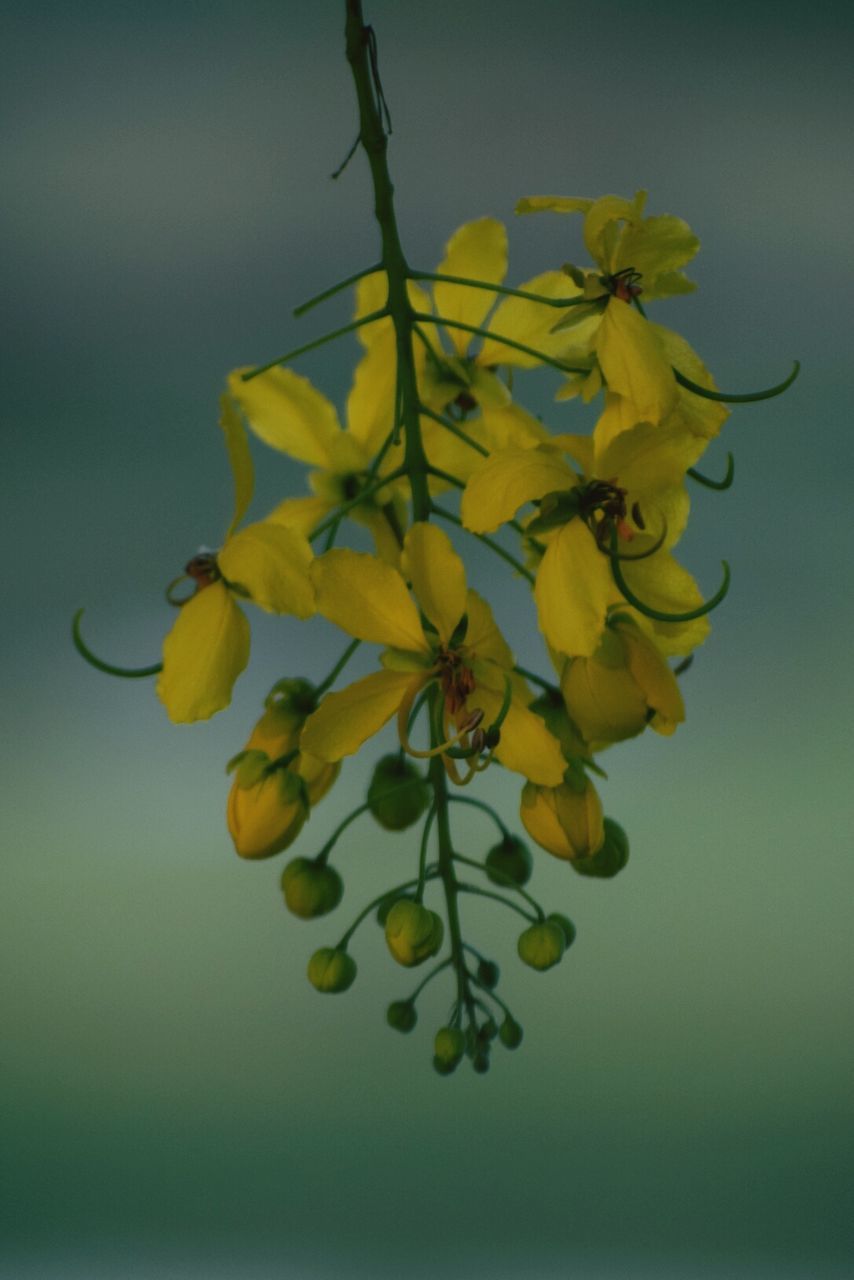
<point>177,1101</point>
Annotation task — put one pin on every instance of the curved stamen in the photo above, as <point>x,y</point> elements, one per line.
<point>128,673</point>
<point>657,614</point>
<point>732,398</point>
<point>641,555</point>
<point>171,598</point>
<point>716,484</point>
<point>403,711</point>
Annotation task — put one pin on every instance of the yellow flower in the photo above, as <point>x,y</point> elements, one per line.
<point>633,484</point>
<point>289,414</point>
<point>634,255</point>
<point>369,599</point>
<point>208,646</point>
<point>567,820</point>
<point>275,784</point>
<point>625,685</point>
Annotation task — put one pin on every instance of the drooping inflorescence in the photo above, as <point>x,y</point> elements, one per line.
<point>435,434</point>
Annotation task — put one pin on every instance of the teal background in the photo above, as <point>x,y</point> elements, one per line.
<point>177,1101</point>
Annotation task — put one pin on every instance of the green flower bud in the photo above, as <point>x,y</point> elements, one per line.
<point>311,888</point>
<point>541,945</point>
<point>509,862</point>
<point>449,1044</point>
<point>480,1062</point>
<point>610,858</point>
<point>564,923</point>
<point>510,1033</point>
<point>331,970</point>
<point>386,905</point>
<point>401,1015</point>
<point>443,1068</point>
<point>413,932</point>
<point>488,1031</point>
<point>398,794</point>
<point>488,973</point>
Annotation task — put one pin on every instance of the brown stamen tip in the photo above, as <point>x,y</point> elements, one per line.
<point>473,721</point>
<point>478,740</point>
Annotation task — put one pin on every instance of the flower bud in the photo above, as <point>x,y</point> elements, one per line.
<point>610,858</point>
<point>480,1061</point>
<point>552,708</point>
<point>266,818</point>
<point>449,1044</point>
<point>401,1015</point>
<point>413,932</point>
<point>510,1033</point>
<point>565,924</point>
<point>488,973</point>
<point>397,795</point>
<point>565,820</point>
<point>541,945</point>
<point>625,685</point>
<point>331,970</point>
<point>311,888</point>
<point>509,862</point>
<point>443,1068</point>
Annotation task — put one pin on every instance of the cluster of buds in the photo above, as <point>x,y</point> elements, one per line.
<point>587,522</point>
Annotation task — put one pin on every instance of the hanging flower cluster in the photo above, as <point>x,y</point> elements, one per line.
<point>436,435</point>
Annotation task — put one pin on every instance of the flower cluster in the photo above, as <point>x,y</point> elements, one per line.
<point>437,437</point>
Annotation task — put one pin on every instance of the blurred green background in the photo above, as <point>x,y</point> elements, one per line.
<point>177,1101</point>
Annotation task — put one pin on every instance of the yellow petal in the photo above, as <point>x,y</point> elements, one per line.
<point>271,562</point>
<point>696,414</point>
<point>647,457</point>
<point>203,655</point>
<point>532,323</point>
<point>371,295</point>
<point>602,229</point>
<point>483,640</point>
<point>346,719</point>
<point>633,362</point>
<point>288,413</point>
<point>370,404</point>
<point>661,582</point>
<point>508,479</point>
<point>652,674</point>
<point>604,701</point>
<point>510,425</point>
<point>302,514</point>
<point>525,746</point>
<point>553,204</point>
<point>656,246</point>
<point>437,575</point>
<point>477,251</point>
<point>368,599</point>
<point>573,590</point>
<point>240,460</point>
<point>565,822</point>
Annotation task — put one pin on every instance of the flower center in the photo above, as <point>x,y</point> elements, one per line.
<point>203,569</point>
<point>623,284</point>
<point>456,680</point>
<point>602,507</point>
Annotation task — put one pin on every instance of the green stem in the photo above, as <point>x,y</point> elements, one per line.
<point>337,669</point>
<point>487,893</point>
<point>535,679</point>
<point>318,342</point>
<point>455,430</point>
<point>342,826</point>
<point>335,288</point>
<point>479,804</point>
<point>432,873</point>
<point>422,856</point>
<point>487,542</point>
<point>429,978</point>
<point>497,337</point>
<point>503,288</point>
<point>128,673</point>
<point>508,880</point>
<point>354,502</point>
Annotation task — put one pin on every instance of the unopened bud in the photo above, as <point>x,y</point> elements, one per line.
<point>488,973</point>
<point>610,859</point>
<point>449,1044</point>
<point>401,1015</point>
<point>413,932</point>
<point>542,945</point>
<point>398,794</point>
<point>565,924</point>
<point>264,819</point>
<point>311,888</point>
<point>331,970</point>
<point>509,862</point>
<point>510,1033</point>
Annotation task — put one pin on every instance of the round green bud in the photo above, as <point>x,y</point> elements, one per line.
<point>401,1015</point>
<point>564,923</point>
<point>398,794</point>
<point>387,904</point>
<point>413,932</point>
<point>610,858</point>
<point>331,970</point>
<point>510,1033</point>
<point>488,973</point>
<point>509,862</point>
<point>443,1068</point>
<point>488,1031</point>
<point>480,1062</point>
<point>311,888</point>
<point>449,1044</point>
<point>542,945</point>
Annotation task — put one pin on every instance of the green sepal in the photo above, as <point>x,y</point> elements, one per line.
<point>249,767</point>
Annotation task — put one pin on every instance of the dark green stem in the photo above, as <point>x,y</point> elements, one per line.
<point>318,342</point>
<point>335,288</point>
<point>337,669</point>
